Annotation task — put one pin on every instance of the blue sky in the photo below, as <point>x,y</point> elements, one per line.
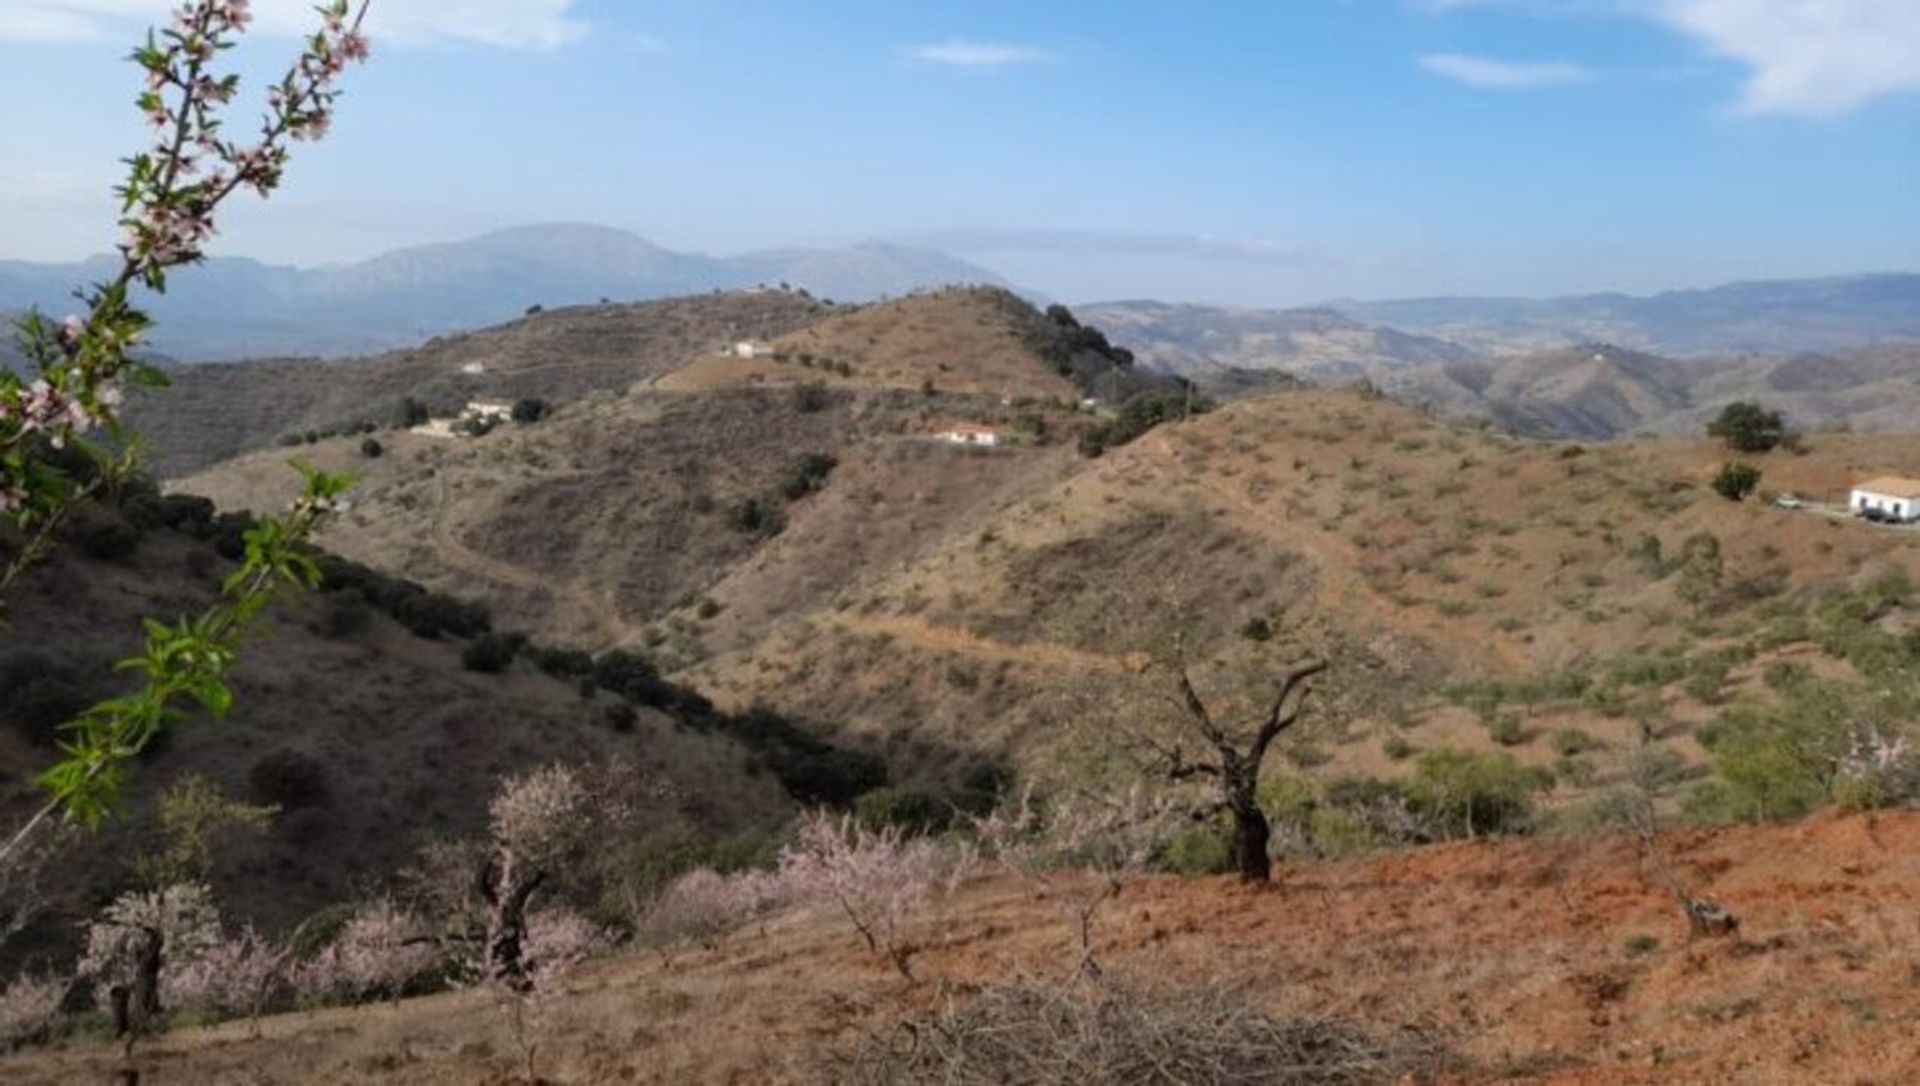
<point>1276,152</point>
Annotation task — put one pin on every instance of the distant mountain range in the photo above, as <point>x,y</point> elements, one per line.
<point>230,308</point>
<point>1772,317</point>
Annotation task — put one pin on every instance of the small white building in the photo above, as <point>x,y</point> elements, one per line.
<point>473,369</point>
<point>1890,495</point>
<point>751,348</point>
<point>978,436</point>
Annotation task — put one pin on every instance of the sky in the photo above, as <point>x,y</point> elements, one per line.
<point>1247,152</point>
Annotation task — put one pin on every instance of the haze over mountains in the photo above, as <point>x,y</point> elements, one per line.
<point>232,307</point>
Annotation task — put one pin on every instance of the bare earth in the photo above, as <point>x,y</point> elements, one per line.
<point>1516,952</point>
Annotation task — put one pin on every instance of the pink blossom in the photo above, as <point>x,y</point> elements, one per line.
<point>182,915</point>
<point>381,950</point>
<point>559,939</point>
<point>237,974</point>
<point>28,1006</point>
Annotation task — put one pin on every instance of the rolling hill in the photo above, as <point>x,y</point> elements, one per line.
<point>924,598</point>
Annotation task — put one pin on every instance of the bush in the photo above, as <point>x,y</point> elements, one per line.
<point>1735,481</point>
<point>289,779</point>
<point>906,809</point>
<point>1470,794</point>
<point>103,534</point>
<point>811,397</point>
<point>1748,427</point>
<point>410,413</point>
<point>561,663</point>
<point>751,516</point>
<point>489,654</point>
<point>372,449</point>
<point>1570,742</point>
<point>342,614</point>
<point>529,410</point>
<point>1205,849</point>
<point>806,475</point>
<point>431,614</point>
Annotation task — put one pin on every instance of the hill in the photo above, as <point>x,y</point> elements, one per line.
<point>229,308</point>
<point>703,470</point>
<point>372,739</point>
<point>1542,961</point>
<point>213,412</point>
<point>1222,348</point>
<point>1767,317</point>
<point>1597,391</point>
<point>925,598</point>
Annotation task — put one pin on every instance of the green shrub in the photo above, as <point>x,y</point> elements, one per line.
<point>371,448</point>
<point>489,654</point>
<point>1205,849</point>
<point>1569,742</point>
<point>1735,481</point>
<point>806,475</point>
<point>1506,730</point>
<point>908,809</point>
<point>1397,748</point>
<point>529,409</point>
<point>1748,427</point>
<point>1469,794</point>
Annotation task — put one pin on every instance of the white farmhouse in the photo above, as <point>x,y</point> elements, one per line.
<point>751,348</point>
<point>1890,495</point>
<point>965,434</point>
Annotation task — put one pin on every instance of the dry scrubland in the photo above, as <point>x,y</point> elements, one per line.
<point>1531,961</point>
<point>1538,642</point>
<point>929,598</point>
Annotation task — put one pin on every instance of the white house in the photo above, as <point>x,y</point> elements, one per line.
<point>967,434</point>
<point>1894,496</point>
<point>751,348</point>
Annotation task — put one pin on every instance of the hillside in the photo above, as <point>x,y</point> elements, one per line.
<point>1598,391</point>
<point>231,308</point>
<point>1546,961</point>
<point>971,342</point>
<point>1767,317</point>
<point>214,412</point>
<point>931,599</point>
<point>1221,347</point>
<point>374,740</point>
<point>1416,553</point>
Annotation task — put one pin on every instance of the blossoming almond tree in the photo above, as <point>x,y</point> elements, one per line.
<point>82,362</point>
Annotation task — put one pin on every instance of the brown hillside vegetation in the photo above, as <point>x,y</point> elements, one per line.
<point>396,743</point>
<point>966,340</point>
<point>1540,961</point>
<point>214,412</point>
<point>928,597</point>
<point>1437,551</point>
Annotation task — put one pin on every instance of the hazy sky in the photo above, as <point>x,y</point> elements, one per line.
<point>1257,152</point>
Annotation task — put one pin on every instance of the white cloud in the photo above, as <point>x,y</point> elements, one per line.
<point>1503,74</point>
<point>959,53</point>
<point>1808,57</point>
<point>506,24</point>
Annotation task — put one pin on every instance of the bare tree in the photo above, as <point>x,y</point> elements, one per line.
<point>1234,755</point>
